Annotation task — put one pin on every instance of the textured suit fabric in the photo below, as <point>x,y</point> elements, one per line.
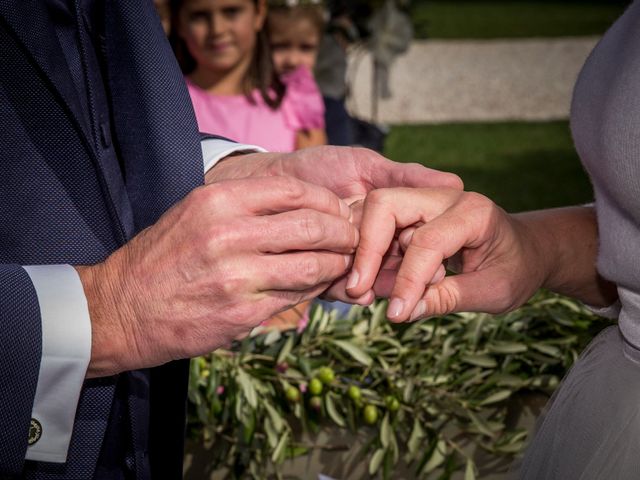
<point>74,186</point>
<point>20,342</point>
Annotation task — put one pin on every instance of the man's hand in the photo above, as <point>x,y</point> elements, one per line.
<point>229,256</point>
<point>350,173</point>
<point>500,259</point>
<point>347,172</point>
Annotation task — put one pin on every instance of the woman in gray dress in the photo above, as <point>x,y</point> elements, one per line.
<point>591,429</point>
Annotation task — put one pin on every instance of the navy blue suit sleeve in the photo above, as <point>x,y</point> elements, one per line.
<point>21,350</point>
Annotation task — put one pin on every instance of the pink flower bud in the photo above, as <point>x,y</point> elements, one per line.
<point>303,322</point>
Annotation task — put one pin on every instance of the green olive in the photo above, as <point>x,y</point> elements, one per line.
<point>315,403</point>
<point>393,405</point>
<point>293,394</point>
<point>326,375</point>
<point>315,386</point>
<point>370,414</point>
<point>354,393</point>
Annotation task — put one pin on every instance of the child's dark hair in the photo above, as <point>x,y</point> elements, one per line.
<point>261,74</point>
<point>314,12</point>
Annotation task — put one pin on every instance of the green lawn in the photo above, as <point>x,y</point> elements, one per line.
<point>520,165</point>
<point>513,18</point>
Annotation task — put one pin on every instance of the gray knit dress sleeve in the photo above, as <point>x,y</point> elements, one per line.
<point>591,427</point>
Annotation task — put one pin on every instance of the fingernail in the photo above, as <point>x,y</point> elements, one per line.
<point>347,261</point>
<point>395,308</point>
<point>405,238</point>
<point>419,311</point>
<point>353,279</point>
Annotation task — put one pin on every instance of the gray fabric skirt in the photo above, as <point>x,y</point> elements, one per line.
<point>591,427</point>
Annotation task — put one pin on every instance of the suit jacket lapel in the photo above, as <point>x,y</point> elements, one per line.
<point>155,127</point>
<point>24,17</point>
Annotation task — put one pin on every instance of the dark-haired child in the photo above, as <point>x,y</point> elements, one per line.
<point>235,89</point>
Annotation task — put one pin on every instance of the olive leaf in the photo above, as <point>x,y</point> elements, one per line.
<point>357,353</point>
<point>333,411</point>
<point>498,396</point>
<point>276,418</point>
<point>479,360</point>
<point>437,457</point>
<point>272,337</point>
<point>376,461</point>
<point>417,436</point>
<point>278,452</point>
<point>470,470</point>
<point>272,434</point>
<point>247,387</point>
<point>385,431</point>
<point>507,347</point>
<point>286,350</point>
<point>379,314</point>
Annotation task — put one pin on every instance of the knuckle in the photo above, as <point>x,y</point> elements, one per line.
<point>377,197</point>
<point>286,299</point>
<point>476,200</point>
<point>444,302</point>
<point>485,213</point>
<point>455,181</point>
<point>231,284</point>
<point>310,270</point>
<point>314,230</point>
<point>211,196</point>
<point>216,237</point>
<point>231,236</point>
<point>409,277</point>
<point>424,237</point>
<point>361,157</point>
<point>291,188</point>
<point>363,152</point>
<point>504,291</point>
<point>197,195</point>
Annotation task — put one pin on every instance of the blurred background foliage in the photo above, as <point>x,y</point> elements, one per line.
<point>484,19</point>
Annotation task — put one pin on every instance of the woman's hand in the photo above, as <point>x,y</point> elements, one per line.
<point>500,259</point>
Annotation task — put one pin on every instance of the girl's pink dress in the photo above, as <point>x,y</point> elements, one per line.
<point>235,117</point>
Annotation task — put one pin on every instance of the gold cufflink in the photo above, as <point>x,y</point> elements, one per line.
<point>35,431</point>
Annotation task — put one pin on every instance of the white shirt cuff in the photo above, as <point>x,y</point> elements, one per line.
<point>215,149</point>
<point>66,351</point>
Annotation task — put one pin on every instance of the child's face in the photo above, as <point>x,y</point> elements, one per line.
<point>293,43</point>
<point>221,34</point>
